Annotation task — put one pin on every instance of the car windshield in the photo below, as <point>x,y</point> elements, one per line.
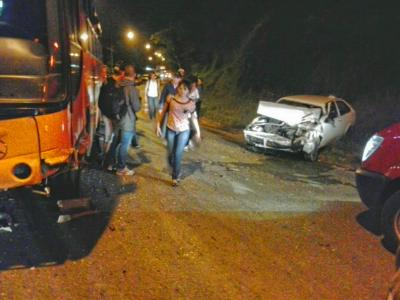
<point>298,104</point>
<point>23,19</point>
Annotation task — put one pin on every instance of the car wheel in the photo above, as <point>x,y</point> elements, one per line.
<point>253,148</point>
<point>313,156</point>
<point>390,219</point>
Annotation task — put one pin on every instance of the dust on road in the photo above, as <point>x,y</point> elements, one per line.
<point>242,225</point>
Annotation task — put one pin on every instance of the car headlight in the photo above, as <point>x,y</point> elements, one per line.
<point>257,128</point>
<point>372,145</point>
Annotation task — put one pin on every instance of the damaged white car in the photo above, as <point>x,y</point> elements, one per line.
<point>303,123</point>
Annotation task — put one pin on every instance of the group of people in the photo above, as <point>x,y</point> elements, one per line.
<point>175,108</point>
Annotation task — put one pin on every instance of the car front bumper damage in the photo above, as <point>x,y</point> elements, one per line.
<point>269,141</point>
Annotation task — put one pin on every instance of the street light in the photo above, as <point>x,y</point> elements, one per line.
<point>148,46</point>
<point>84,37</point>
<point>130,35</point>
<point>150,58</point>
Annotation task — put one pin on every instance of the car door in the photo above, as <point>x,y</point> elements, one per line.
<point>332,125</point>
<point>340,123</point>
<point>346,115</point>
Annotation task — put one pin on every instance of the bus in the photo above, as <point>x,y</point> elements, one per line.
<point>51,72</point>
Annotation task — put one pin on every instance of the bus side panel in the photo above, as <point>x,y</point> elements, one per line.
<point>19,145</point>
<point>86,104</point>
<point>55,142</point>
<point>78,117</point>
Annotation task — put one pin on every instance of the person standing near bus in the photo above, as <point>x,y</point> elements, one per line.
<point>180,109</point>
<point>151,92</point>
<point>128,121</point>
<point>110,95</point>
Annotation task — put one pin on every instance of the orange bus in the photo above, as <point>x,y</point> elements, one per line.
<point>50,76</point>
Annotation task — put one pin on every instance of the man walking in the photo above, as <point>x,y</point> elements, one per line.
<point>151,92</point>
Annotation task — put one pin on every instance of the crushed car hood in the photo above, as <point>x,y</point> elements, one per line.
<point>291,115</point>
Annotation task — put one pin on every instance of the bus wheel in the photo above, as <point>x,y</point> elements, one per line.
<point>75,180</point>
<point>66,185</point>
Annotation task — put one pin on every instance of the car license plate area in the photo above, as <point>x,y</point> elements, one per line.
<point>256,140</point>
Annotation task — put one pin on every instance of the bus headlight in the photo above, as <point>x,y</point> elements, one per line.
<point>372,145</point>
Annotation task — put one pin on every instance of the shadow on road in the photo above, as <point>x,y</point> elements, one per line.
<point>191,167</point>
<point>39,241</point>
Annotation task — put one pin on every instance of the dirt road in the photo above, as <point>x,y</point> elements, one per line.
<point>242,225</point>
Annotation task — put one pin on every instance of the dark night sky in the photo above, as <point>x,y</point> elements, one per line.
<point>277,43</point>
<point>145,17</point>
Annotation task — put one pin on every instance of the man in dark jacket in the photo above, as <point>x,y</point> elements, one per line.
<point>110,95</point>
<point>169,89</point>
<point>128,121</point>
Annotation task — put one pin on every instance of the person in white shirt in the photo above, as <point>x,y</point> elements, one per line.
<point>152,92</point>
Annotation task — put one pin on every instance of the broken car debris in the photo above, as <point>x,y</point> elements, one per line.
<point>72,209</point>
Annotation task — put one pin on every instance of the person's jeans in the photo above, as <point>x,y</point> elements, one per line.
<point>176,142</point>
<point>109,158</point>
<point>108,130</point>
<point>152,102</point>
<point>126,140</point>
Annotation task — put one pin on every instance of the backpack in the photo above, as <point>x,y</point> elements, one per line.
<point>136,104</point>
<point>112,101</point>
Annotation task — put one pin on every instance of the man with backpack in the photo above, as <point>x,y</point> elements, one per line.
<point>111,108</point>
<point>128,119</point>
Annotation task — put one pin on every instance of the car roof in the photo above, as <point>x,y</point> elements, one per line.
<point>310,99</point>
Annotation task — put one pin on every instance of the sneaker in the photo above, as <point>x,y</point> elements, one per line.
<point>191,145</point>
<point>125,172</point>
<point>186,149</point>
<point>175,182</point>
<point>111,169</point>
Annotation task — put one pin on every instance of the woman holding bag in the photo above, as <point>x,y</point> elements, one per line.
<point>180,108</point>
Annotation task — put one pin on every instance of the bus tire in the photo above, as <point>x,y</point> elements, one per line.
<point>66,185</point>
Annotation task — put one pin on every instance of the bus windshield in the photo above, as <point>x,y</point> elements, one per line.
<point>23,19</point>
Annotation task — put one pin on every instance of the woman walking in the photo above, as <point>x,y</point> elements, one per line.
<point>152,92</point>
<point>181,109</point>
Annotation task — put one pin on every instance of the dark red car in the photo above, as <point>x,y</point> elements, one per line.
<point>378,180</point>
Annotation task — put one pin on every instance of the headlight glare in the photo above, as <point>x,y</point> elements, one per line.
<point>372,145</point>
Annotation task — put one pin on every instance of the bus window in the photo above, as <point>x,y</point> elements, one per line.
<point>72,27</point>
<point>24,19</point>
